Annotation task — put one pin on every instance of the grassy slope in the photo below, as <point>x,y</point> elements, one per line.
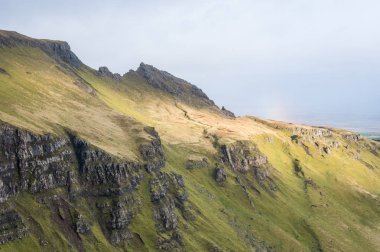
<point>335,223</point>
<point>342,214</point>
<point>42,96</point>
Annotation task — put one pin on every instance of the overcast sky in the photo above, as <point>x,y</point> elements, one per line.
<point>272,58</point>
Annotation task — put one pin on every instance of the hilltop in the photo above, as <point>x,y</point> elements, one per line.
<point>92,160</point>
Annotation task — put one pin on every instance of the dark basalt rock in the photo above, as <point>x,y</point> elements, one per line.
<point>228,113</point>
<point>168,193</point>
<point>152,151</point>
<point>32,163</point>
<point>98,168</point>
<point>164,212</point>
<point>105,72</point>
<point>59,50</point>
<point>179,88</point>
<point>37,163</point>
<point>81,225</point>
<point>116,216</point>
<point>220,175</point>
<point>245,157</point>
<point>173,85</point>
<point>113,182</point>
<point>151,131</point>
<point>196,164</point>
<point>327,150</point>
<point>3,71</point>
<point>12,226</point>
<point>242,157</point>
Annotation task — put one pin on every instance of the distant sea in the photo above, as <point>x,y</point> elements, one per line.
<point>367,125</point>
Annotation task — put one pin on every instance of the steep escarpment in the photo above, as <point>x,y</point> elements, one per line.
<point>41,163</point>
<point>179,88</point>
<point>33,163</point>
<point>245,158</point>
<point>59,50</point>
<point>94,161</point>
<point>173,85</point>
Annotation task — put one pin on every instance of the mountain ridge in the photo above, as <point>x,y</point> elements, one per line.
<point>160,79</point>
<point>95,161</point>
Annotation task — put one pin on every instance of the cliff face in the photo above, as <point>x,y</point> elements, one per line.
<point>173,85</point>
<point>59,50</point>
<point>40,163</point>
<point>94,161</point>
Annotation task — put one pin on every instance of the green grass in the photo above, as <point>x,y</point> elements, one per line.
<point>340,214</point>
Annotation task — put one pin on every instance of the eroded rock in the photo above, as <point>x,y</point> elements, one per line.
<point>12,226</point>
<point>60,50</point>
<point>168,194</point>
<point>152,151</point>
<point>220,175</point>
<point>245,157</point>
<point>105,72</point>
<point>196,164</point>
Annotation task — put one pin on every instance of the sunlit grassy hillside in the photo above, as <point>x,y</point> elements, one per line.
<point>319,191</point>
<point>294,218</point>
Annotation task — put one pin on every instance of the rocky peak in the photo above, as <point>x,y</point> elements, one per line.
<point>179,88</point>
<point>60,50</point>
<point>227,112</point>
<point>105,72</point>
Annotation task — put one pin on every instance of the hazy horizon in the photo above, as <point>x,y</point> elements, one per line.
<point>284,60</point>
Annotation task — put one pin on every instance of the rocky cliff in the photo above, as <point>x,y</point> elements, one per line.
<point>94,161</point>
<point>179,88</point>
<point>39,163</point>
<point>59,50</point>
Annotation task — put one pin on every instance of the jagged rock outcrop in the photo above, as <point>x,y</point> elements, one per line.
<point>196,164</point>
<point>81,225</point>
<point>105,72</point>
<point>168,194</point>
<point>241,157</point>
<point>244,157</point>
<point>36,163</point>
<point>220,175</point>
<point>312,132</point>
<point>117,214</point>
<point>98,168</point>
<point>164,212</point>
<point>327,150</point>
<point>12,226</point>
<point>352,137</point>
<point>152,151</point>
<point>179,88</point>
<point>60,50</point>
<point>32,163</point>
<point>110,184</point>
<point>227,112</point>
